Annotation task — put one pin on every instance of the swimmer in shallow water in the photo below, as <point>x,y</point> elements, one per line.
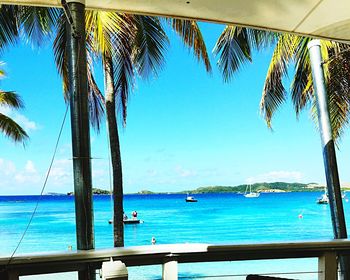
<point>153,241</point>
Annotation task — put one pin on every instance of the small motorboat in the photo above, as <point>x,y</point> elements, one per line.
<point>190,199</point>
<point>131,221</point>
<point>128,221</point>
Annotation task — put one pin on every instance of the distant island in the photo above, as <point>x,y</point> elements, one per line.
<point>96,191</point>
<point>276,187</point>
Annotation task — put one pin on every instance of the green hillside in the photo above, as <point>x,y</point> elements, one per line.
<point>260,187</point>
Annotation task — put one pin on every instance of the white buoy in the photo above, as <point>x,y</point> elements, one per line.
<point>114,270</point>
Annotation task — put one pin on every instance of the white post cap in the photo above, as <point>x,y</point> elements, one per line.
<point>313,43</point>
<point>76,1</point>
<point>114,270</point>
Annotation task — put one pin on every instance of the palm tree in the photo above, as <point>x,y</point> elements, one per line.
<point>234,47</point>
<point>7,125</point>
<point>130,45</point>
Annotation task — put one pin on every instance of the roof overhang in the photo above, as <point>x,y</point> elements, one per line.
<point>329,19</point>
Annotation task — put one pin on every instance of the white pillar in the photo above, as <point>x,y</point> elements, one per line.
<point>170,270</point>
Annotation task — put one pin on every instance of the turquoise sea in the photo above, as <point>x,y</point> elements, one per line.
<point>214,219</point>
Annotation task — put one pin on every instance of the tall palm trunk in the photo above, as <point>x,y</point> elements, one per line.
<point>118,226</point>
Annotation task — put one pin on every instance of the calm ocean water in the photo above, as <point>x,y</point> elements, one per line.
<point>214,219</point>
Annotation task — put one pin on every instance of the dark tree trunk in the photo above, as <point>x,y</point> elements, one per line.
<point>118,226</point>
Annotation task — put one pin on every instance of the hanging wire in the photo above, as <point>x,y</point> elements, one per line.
<point>43,187</point>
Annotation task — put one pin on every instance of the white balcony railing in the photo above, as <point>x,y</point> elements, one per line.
<point>170,255</point>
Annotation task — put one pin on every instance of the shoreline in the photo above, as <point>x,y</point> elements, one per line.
<point>172,193</point>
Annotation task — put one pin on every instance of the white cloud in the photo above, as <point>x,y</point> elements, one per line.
<point>61,173</point>
<point>152,172</point>
<point>274,176</point>
<point>29,167</point>
<point>7,167</point>
<point>13,177</point>
<point>28,125</point>
<point>182,172</point>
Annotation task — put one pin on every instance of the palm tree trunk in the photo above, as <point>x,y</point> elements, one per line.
<point>118,226</point>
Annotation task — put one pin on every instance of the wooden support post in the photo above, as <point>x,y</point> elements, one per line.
<point>9,275</point>
<point>328,266</point>
<point>13,275</point>
<point>170,270</point>
<point>78,94</point>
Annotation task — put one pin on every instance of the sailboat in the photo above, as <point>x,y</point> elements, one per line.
<point>324,198</point>
<point>250,194</point>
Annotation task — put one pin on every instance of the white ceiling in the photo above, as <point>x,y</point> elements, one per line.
<point>319,18</point>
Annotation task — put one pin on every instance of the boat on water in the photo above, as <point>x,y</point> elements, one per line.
<point>323,199</point>
<point>128,221</point>
<point>250,194</point>
<point>190,199</point>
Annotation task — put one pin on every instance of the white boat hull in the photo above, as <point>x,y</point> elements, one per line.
<point>252,195</point>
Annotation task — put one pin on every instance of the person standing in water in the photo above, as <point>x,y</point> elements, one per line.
<point>153,241</point>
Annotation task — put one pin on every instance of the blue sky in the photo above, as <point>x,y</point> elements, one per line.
<point>185,129</point>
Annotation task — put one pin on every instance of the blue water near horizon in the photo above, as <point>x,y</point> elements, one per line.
<point>214,219</point>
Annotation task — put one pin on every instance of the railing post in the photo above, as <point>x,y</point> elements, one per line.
<point>327,266</point>
<point>9,275</point>
<point>170,270</point>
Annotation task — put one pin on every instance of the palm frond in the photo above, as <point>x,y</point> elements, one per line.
<point>124,75</point>
<point>234,50</point>
<point>8,25</point>
<point>274,92</point>
<point>301,88</point>
<point>12,130</point>
<point>38,23</point>
<point>260,39</point>
<point>149,45</point>
<point>10,98</point>
<point>96,99</point>
<point>60,53</point>
<point>191,35</point>
<point>101,27</point>
<point>338,88</point>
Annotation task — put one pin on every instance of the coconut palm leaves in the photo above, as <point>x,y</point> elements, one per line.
<point>291,50</point>
<point>234,48</point>
<point>8,126</point>
<point>338,87</point>
<point>9,29</point>
<point>96,106</point>
<point>37,23</point>
<point>191,36</point>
